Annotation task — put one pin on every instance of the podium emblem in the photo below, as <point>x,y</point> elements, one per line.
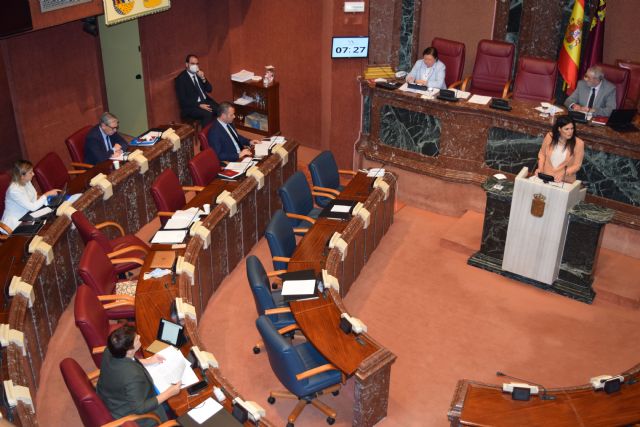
<point>537,205</point>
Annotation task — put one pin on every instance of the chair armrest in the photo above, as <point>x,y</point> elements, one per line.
<point>163,213</point>
<point>117,304</point>
<point>303,217</point>
<point>5,227</point>
<point>318,193</point>
<point>111,224</point>
<point>505,90</point>
<point>281,259</point>
<point>278,310</point>
<point>115,261</point>
<point>276,273</point>
<point>81,165</point>
<point>4,237</point>
<point>115,297</point>
<point>300,230</point>
<point>93,377</point>
<point>288,329</point>
<point>120,421</point>
<point>75,172</point>
<point>455,84</point>
<point>316,371</point>
<point>127,249</point>
<point>509,95</point>
<point>326,190</point>
<point>347,172</point>
<point>466,82</point>
<point>170,423</point>
<point>192,188</point>
<point>98,350</point>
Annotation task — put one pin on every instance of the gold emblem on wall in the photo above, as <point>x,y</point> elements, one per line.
<point>123,7</point>
<point>152,3</point>
<point>537,205</point>
<point>117,11</point>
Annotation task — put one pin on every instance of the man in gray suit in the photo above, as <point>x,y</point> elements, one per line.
<point>594,94</point>
<point>124,384</point>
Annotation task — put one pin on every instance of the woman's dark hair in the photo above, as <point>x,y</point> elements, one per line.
<point>121,340</point>
<point>431,51</point>
<point>20,168</point>
<point>562,121</point>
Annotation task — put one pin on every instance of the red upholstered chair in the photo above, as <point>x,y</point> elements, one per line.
<point>620,78</point>
<point>451,53</point>
<point>97,271</point>
<point>75,145</point>
<point>633,94</point>
<point>204,167</point>
<point>5,182</point>
<point>93,322</point>
<point>203,137</point>
<point>535,79</point>
<point>168,195</point>
<point>127,244</point>
<point>51,172</point>
<point>491,74</point>
<point>92,410</point>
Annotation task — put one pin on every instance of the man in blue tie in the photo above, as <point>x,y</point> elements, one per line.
<point>103,140</point>
<point>594,94</point>
<point>228,144</point>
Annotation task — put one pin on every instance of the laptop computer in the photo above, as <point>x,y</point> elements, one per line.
<point>620,120</point>
<point>55,201</point>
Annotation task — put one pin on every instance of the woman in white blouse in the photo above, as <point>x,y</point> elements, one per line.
<point>21,195</point>
<point>562,151</point>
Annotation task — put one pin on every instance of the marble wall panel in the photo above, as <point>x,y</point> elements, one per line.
<point>407,41</point>
<point>410,130</point>
<point>509,151</point>
<point>611,176</point>
<point>366,114</point>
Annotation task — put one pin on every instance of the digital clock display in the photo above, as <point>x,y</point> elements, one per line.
<point>350,47</point>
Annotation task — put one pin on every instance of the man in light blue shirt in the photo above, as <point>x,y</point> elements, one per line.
<point>428,71</point>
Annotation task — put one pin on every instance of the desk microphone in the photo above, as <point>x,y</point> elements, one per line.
<point>543,395</point>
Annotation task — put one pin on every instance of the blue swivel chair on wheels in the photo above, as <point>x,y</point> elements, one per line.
<point>297,200</point>
<point>325,176</point>
<point>301,369</point>
<point>281,239</point>
<point>268,302</point>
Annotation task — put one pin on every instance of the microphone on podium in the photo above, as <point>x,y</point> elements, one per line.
<point>543,395</point>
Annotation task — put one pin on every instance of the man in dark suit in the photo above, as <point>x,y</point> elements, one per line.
<point>594,94</point>
<point>228,144</point>
<point>124,385</point>
<point>192,89</point>
<point>103,140</point>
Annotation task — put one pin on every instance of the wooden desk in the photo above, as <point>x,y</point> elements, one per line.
<point>313,248</point>
<point>477,404</point>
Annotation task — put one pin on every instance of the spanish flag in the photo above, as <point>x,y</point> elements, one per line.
<point>569,58</point>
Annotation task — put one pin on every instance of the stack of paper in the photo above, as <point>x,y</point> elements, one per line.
<point>174,368</point>
<point>480,99</point>
<point>376,172</point>
<point>462,94</point>
<point>242,76</point>
<point>182,219</point>
<point>41,212</point>
<point>262,148</point>
<point>169,236</point>
<point>235,169</point>
<point>244,100</point>
<point>205,410</point>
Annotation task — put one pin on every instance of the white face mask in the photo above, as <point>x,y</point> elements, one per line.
<point>194,68</point>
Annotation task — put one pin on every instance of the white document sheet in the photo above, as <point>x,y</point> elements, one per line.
<point>242,76</point>
<point>376,172</point>
<point>262,148</point>
<point>298,287</point>
<point>174,368</point>
<point>182,219</point>
<point>480,99</point>
<point>40,212</point>
<point>462,94</point>
<point>205,410</point>
<point>341,208</point>
<point>169,236</point>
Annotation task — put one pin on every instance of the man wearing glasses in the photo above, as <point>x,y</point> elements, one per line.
<point>594,94</point>
<point>103,140</point>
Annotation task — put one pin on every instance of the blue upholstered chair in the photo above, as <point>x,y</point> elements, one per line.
<point>268,302</point>
<point>297,200</point>
<point>325,176</point>
<point>281,239</point>
<point>304,372</point>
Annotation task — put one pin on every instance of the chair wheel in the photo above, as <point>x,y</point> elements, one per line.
<point>330,421</point>
<point>256,350</point>
<point>335,393</point>
<point>289,424</point>
<point>274,286</point>
<point>271,400</point>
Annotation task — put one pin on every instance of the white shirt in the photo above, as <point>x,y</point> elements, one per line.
<point>558,155</point>
<point>19,200</point>
<point>225,126</point>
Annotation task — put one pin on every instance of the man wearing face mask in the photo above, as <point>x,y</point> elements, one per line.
<point>192,88</point>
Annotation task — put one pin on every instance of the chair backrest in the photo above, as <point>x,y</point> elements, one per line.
<point>633,93</point>
<point>203,136</point>
<point>167,193</point>
<point>259,284</point>
<point>280,237</point>
<point>5,182</point>
<point>296,197</point>
<point>51,172</point>
<point>324,171</point>
<point>492,68</point>
<point>452,54</point>
<point>620,78</point>
<point>91,408</point>
<point>92,320</point>
<point>535,79</point>
<point>204,167</point>
<point>89,232</point>
<point>285,361</point>
<point>75,144</point>
<point>96,270</point>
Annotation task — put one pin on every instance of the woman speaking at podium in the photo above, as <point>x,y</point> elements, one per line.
<point>562,151</point>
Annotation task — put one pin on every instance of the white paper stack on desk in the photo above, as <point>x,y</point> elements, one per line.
<point>242,76</point>
<point>235,169</point>
<point>174,368</point>
<point>182,219</point>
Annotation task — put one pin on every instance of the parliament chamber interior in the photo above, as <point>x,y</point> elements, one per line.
<point>346,213</point>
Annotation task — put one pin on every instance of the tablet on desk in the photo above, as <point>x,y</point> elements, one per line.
<point>170,333</point>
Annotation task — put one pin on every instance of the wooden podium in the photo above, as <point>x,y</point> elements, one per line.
<point>538,226</point>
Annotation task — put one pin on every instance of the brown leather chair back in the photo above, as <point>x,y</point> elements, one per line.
<point>492,68</point>
<point>204,167</point>
<point>51,172</point>
<point>633,93</point>
<point>75,144</point>
<point>451,53</point>
<point>203,136</point>
<point>96,270</point>
<point>620,78</point>
<point>535,79</point>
